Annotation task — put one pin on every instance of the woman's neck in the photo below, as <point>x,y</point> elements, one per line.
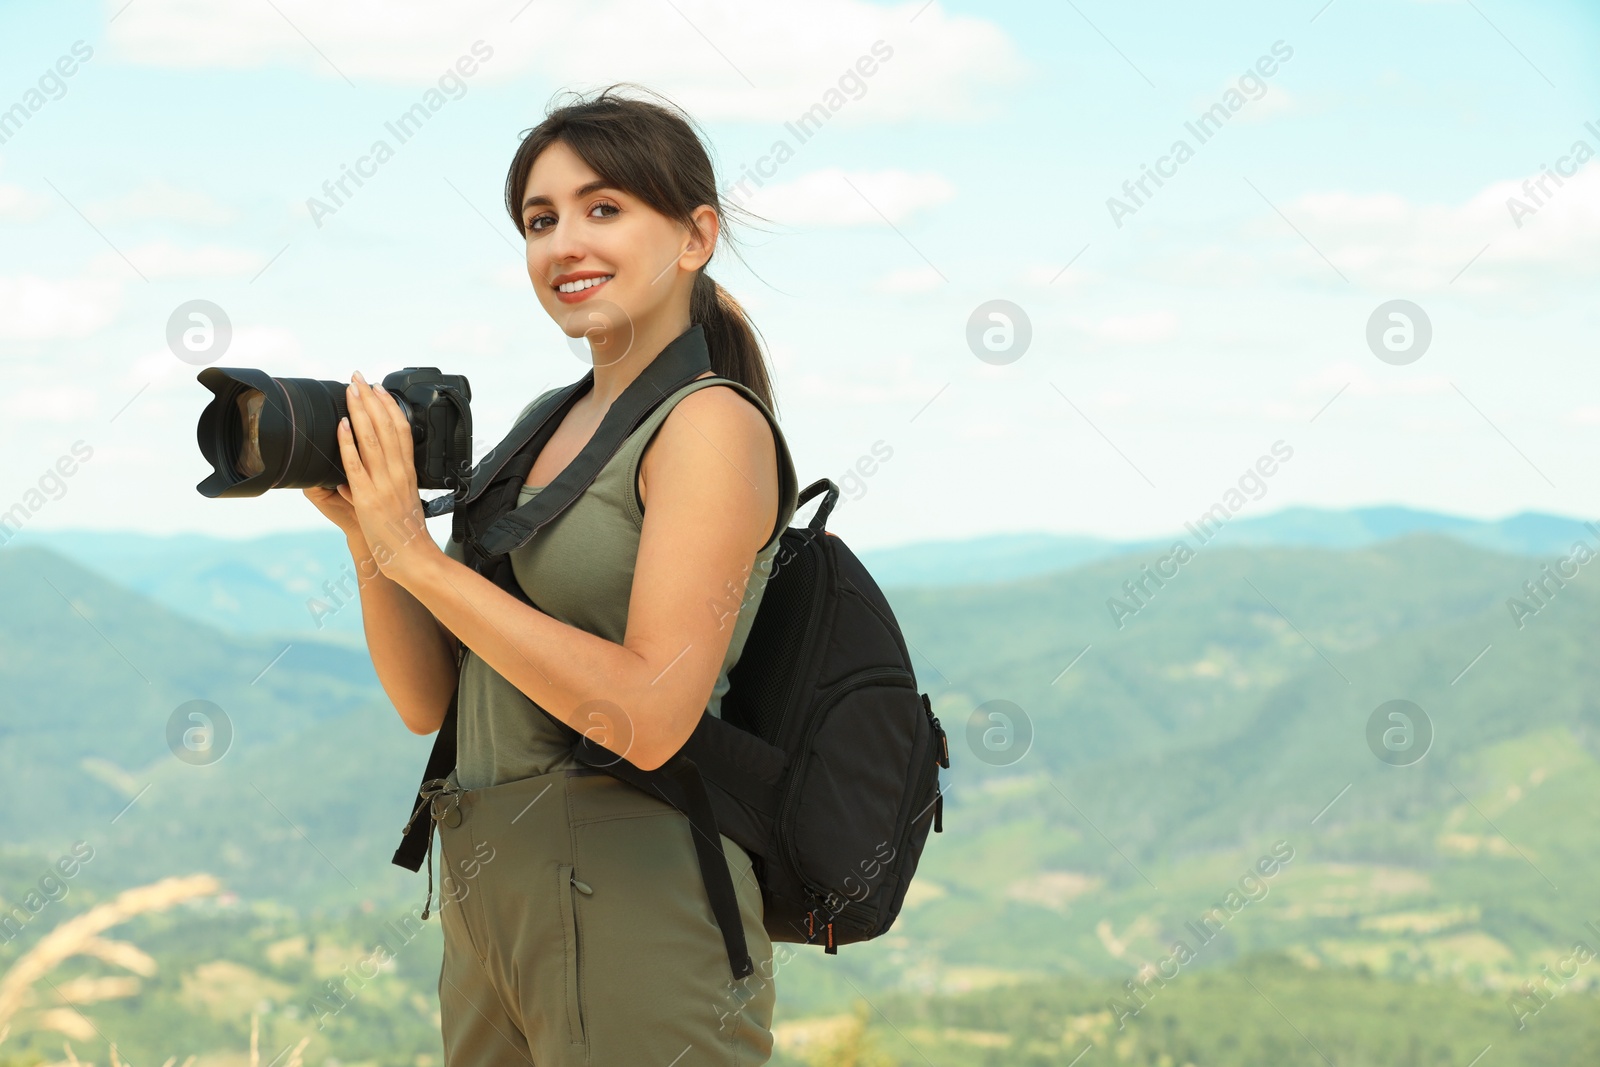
<point>613,374</point>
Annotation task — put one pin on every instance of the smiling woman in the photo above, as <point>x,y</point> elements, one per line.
<point>592,937</point>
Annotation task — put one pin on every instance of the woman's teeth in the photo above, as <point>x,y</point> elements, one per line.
<point>583,283</point>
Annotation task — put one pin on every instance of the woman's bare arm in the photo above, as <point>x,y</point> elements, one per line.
<point>414,655</point>
<point>714,456</point>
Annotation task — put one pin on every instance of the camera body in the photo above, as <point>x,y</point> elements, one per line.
<point>423,396</point>
<point>259,432</point>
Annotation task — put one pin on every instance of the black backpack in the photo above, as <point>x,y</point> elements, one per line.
<point>824,764</point>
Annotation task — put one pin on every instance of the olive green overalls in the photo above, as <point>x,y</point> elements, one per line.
<point>577,929</point>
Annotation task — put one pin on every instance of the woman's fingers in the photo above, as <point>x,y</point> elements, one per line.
<point>382,425</point>
<point>399,450</point>
<point>361,423</point>
<point>349,453</point>
<point>377,423</point>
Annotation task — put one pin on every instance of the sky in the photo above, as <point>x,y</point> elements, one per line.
<point>977,319</point>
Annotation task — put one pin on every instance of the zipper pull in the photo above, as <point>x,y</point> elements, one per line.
<point>832,949</point>
<point>943,758</point>
<point>938,813</point>
<point>582,887</point>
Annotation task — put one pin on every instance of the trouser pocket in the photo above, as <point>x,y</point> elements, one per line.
<point>566,895</point>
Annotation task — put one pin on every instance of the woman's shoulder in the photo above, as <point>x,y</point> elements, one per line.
<point>733,421</point>
<point>711,410</point>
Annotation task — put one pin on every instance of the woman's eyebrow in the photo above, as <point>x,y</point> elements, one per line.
<point>582,191</point>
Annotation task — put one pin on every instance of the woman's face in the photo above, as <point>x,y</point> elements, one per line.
<point>641,263</point>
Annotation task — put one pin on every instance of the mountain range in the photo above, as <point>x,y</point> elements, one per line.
<point>299,582</point>
<point>1121,776</point>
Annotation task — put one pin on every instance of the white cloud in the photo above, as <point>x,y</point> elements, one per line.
<point>470,338</point>
<point>1141,328</point>
<point>1058,276</point>
<point>56,402</point>
<point>1276,102</point>
<point>43,309</point>
<point>157,199</point>
<point>720,59</point>
<point>1357,379</point>
<point>1388,240</point>
<point>19,205</point>
<point>1382,241</point>
<point>1113,398</point>
<point>909,280</point>
<point>513,276</point>
<point>1271,101</point>
<point>273,347</point>
<point>163,259</point>
<point>832,197</point>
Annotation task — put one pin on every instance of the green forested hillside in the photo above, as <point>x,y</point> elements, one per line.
<point>1221,730</point>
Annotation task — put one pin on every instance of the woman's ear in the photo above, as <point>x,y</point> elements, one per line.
<point>702,237</point>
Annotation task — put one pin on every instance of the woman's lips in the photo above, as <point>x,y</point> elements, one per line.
<point>581,294</point>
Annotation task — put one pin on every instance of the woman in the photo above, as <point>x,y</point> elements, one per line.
<point>577,927</point>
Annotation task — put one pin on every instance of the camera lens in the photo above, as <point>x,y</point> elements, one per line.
<point>261,432</point>
<point>245,434</point>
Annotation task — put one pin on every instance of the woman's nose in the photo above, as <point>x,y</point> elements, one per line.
<point>562,245</point>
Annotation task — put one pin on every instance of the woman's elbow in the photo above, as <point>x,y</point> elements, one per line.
<point>650,753</point>
<point>423,723</point>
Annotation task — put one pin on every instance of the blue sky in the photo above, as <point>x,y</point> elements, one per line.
<point>1228,312</point>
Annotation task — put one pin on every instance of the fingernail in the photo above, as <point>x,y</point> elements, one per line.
<point>360,379</point>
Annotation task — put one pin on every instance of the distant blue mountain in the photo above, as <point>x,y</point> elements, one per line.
<point>1008,557</point>
<point>278,584</point>
<point>259,585</point>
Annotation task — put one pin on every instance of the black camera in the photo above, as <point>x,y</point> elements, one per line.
<point>259,432</point>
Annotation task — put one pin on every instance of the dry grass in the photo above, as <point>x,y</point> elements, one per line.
<point>80,937</point>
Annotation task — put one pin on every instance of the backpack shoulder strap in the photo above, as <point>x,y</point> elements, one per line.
<point>677,364</point>
<point>788,481</point>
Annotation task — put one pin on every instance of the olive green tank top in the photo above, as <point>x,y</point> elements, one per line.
<point>579,569</point>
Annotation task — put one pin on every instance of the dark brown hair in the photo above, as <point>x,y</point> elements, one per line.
<point>653,151</point>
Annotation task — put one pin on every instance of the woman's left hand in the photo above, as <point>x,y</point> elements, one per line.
<point>380,467</point>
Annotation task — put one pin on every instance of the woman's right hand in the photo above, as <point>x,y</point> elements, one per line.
<point>337,505</point>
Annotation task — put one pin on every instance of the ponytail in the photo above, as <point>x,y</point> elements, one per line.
<point>730,337</point>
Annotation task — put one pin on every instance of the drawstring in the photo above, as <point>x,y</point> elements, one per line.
<point>432,791</point>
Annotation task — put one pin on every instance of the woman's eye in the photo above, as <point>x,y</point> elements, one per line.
<point>534,227</point>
